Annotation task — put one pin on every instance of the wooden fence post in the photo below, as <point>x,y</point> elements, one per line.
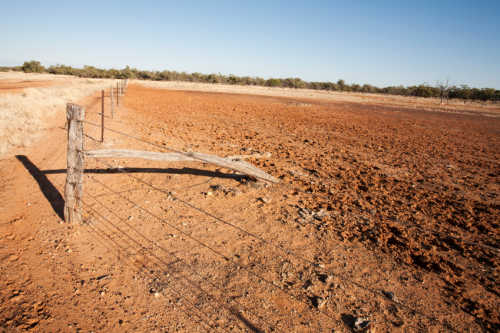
<point>117,95</point>
<point>102,115</point>
<point>112,106</point>
<point>73,189</point>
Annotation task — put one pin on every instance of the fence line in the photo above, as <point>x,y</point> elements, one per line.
<point>101,217</point>
<point>120,90</point>
<point>177,259</point>
<point>217,253</point>
<point>203,321</point>
<point>167,148</point>
<point>344,281</point>
<point>160,261</point>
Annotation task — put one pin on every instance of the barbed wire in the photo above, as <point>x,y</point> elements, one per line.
<point>344,280</point>
<point>204,321</point>
<point>219,254</point>
<point>101,217</point>
<point>427,231</point>
<point>313,264</point>
<point>167,252</point>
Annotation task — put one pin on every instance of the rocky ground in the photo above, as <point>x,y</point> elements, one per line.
<point>385,219</point>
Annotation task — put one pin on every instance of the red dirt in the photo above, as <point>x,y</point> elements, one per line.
<point>14,86</point>
<point>382,213</point>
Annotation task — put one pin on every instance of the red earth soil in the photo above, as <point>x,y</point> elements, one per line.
<point>385,217</point>
<point>12,86</point>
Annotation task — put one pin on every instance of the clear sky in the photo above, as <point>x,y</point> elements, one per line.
<point>376,42</point>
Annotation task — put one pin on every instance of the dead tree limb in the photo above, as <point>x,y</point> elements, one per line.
<point>230,163</point>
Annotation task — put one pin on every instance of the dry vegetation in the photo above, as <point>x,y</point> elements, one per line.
<point>24,110</point>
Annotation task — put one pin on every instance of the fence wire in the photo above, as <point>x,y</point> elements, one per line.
<point>175,150</point>
<point>215,219</point>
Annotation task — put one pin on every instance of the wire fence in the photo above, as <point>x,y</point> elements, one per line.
<point>448,233</point>
<point>109,225</point>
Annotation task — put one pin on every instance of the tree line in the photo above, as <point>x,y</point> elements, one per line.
<point>462,92</point>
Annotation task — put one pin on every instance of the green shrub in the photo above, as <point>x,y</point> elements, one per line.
<point>32,67</point>
<point>423,90</point>
<point>273,83</point>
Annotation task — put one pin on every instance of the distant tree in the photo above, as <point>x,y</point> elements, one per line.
<point>487,94</point>
<point>496,96</point>
<point>444,89</point>
<point>422,91</point>
<point>465,93</point>
<point>341,84</point>
<point>355,87</point>
<point>273,83</point>
<point>366,88</point>
<point>213,78</point>
<point>127,73</point>
<point>233,79</point>
<point>32,67</point>
<point>260,81</point>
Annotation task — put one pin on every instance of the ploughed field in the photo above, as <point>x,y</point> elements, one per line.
<point>418,187</point>
<point>385,219</point>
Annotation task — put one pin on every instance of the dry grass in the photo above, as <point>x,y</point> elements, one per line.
<point>23,115</point>
<point>35,76</point>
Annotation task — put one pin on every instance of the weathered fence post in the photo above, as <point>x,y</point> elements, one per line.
<point>75,115</point>
<point>112,106</point>
<point>102,115</point>
<point>117,95</point>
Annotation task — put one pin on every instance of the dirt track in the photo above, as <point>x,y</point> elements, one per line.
<point>383,213</point>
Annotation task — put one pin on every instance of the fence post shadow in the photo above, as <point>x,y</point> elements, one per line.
<point>173,171</point>
<point>50,192</point>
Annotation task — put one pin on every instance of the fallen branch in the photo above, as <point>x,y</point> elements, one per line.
<point>234,163</point>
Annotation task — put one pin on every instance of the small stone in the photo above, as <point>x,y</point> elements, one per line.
<point>157,294</point>
<point>33,322</point>
<point>215,188</point>
<point>318,302</point>
<point>256,185</point>
<point>388,294</point>
<point>361,324</point>
<point>264,200</point>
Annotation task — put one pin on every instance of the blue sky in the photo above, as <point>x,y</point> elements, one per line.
<point>376,42</point>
